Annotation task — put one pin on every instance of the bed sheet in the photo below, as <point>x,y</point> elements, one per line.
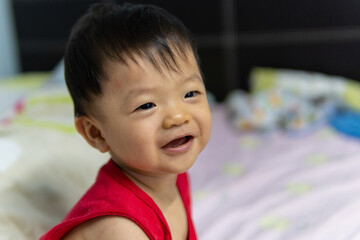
<point>256,186</point>
<point>246,186</point>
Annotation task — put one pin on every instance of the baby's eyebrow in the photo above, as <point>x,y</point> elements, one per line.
<point>193,77</point>
<point>144,90</point>
<point>139,91</point>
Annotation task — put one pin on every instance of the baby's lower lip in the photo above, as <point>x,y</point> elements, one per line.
<point>181,148</point>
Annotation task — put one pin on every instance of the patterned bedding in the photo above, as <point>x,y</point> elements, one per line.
<point>276,186</point>
<point>245,186</point>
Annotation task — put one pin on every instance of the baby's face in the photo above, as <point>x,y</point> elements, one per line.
<point>155,122</point>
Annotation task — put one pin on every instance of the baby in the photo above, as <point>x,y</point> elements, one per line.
<point>133,74</point>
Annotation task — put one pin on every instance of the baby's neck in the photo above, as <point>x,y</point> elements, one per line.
<point>161,188</point>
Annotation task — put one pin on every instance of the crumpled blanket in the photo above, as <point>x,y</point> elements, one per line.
<point>290,100</point>
<point>45,166</point>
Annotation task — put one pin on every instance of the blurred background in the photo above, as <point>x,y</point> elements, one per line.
<point>233,35</point>
<point>284,152</point>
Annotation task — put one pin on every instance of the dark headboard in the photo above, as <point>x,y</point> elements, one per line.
<point>233,36</point>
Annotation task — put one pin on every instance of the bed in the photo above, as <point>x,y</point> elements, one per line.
<point>249,183</point>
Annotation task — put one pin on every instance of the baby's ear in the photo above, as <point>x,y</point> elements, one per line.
<point>91,133</point>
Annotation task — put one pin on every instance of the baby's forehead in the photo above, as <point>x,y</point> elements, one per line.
<point>136,63</point>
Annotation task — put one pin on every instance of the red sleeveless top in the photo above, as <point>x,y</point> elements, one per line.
<point>115,194</point>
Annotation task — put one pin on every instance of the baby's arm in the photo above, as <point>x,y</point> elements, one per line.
<point>107,228</point>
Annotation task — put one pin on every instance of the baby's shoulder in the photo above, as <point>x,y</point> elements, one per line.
<point>105,228</point>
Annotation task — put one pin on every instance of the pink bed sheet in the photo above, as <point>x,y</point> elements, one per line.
<point>254,186</point>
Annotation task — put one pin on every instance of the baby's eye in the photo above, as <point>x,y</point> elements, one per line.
<point>146,106</point>
<point>191,94</point>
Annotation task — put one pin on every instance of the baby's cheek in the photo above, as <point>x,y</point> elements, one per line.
<point>207,123</point>
<point>208,131</point>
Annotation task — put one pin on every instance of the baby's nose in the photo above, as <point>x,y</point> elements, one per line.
<point>176,118</point>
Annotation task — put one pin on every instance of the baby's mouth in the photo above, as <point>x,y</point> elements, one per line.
<point>178,142</point>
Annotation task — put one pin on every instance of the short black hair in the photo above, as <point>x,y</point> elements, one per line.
<point>119,33</point>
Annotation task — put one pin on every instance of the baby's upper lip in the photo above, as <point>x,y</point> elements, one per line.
<point>164,143</point>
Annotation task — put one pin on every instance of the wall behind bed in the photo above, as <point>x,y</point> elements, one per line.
<point>316,35</point>
<point>233,36</point>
